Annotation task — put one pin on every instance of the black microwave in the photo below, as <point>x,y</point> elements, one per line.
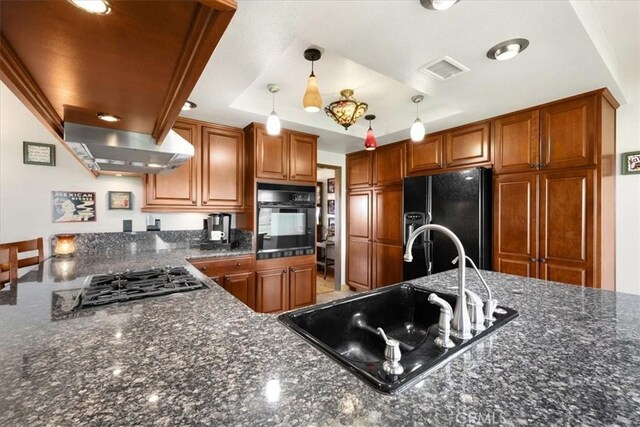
<point>285,220</point>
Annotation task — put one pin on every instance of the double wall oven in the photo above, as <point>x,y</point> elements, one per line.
<point>286,220</point>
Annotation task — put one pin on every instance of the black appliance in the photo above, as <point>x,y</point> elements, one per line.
<point>285,220</point>
<point>218,230</point>
<point>110,288</point>
<point>460,201</point>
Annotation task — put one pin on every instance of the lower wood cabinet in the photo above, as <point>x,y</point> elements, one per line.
<point>234,274</point>
<point>286,287</point>
<point>241,286</point>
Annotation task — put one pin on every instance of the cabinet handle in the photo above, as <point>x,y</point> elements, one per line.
<point>532,165</point>
<point>293,270</point>
<point>204,202</point>
<point>543,260</point>
<point>284,271</point>
<point>448,163</point>
<point>533,260</point>
<point>238,264</point>
<point>203,268</point>
<point>542,165</point>
<point>194,202</point>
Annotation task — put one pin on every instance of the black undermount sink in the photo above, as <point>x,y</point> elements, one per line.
<point>404,313</point>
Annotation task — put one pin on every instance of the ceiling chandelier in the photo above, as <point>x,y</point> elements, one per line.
<point>346,111</point>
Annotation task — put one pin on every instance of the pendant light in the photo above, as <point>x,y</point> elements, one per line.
<point>312,101</point>
<point>273,122</point>
<point>417,128</point>
<point>370,143</point>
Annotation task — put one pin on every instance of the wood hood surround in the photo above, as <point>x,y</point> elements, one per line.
<point>140,62</point>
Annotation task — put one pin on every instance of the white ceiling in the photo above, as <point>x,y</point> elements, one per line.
<point>376,48</point>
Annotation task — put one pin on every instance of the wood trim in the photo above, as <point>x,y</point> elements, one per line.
<point>206,31</point>
<point>221,5</point>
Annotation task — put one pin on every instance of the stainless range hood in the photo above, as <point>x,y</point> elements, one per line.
<point>111,150</point>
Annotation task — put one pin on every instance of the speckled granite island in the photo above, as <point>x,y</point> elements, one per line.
<point>204,358</point>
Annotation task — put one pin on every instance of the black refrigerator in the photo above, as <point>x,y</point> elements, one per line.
<point>460,201</point>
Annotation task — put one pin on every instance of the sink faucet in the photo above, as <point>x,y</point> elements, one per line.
<point>490,305</point>
<point>460,325</point>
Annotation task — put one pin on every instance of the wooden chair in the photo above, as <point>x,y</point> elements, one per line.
<point>8,265</point>
<point>28,246</point>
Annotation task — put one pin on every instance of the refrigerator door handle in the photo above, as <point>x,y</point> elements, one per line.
<point>428,256</point>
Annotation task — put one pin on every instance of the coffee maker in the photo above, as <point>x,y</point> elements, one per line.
<point>218,228</point>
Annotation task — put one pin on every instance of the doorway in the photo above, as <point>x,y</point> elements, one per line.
<point>328,214</point>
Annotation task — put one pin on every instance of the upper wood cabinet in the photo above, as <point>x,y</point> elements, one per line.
<point>290,156</point>
<point>359,214</point>
<point>359,170</point>
<point>222,167</point>
<point>425,155</point>
<point>516,139</point>
<point>180,187</point>
<point>468,146</point>
<point>212,179</point>
<point>568,134</point>
<point>384,166</point>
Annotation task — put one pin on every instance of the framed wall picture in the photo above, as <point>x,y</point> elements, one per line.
<point>331,185</point>
<point>120,200</point>
<point>35,153</point>
<point>631,163</point>
<point>331,207</point>
<point>73,206</point>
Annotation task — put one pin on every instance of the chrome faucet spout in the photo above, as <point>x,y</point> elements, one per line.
<point>460,325</point>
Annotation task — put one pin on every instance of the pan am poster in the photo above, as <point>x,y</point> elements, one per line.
<point>73,206</point>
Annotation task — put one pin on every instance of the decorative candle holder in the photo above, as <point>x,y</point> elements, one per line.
<point>65,246</point>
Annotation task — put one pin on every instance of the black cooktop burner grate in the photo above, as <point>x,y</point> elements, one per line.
<point>131,285</point>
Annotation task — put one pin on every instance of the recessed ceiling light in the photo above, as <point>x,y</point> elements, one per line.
<point>507,49</point>
<point>97,7</point>
<point>188,105</point>
<point>438,4</point>
<point>108,117</point>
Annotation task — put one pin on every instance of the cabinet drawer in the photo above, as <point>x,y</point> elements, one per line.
<point>223,266</point>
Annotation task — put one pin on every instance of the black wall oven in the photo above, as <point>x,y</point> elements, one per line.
<point>286,220</point>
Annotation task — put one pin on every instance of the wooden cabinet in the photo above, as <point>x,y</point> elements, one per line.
<point>568,132</point>
<point>468,146</point>
<point>359,262</point>
<point>180,187</point>
<point>302,286</point>
<point>285,287</point>
<point>556,222</point>
<point>387,217</point>
<point>359,214</point>
<point>290,156</point>
<point>222,167</point>
<point>234,274</point>
<point>463,147</point>
<point>425,155</point>
<point>212,180</point>
<point>388,164</point>
<point>359,170</point>
<point>544,225</point>
<point>516,139</point>
<point>272,290</point>
<point>388,264</point>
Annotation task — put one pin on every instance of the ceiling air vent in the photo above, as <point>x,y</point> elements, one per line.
<point>443,68</point>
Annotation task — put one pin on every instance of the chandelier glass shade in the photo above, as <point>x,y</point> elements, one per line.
<point>347,110</point>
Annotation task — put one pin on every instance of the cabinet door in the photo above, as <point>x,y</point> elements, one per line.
<point>179,188</point>
<point>468,146</point>
<point>359,263</point>
<point>387,264</point>
<point>389,164</point>
<point>222,167</point>
<point>272,290</point>
<point>241,286</point>
<point>425,155</point>
<point>515,233</point>
<point>359,170</point>
<point>387,226</point>
<point>568,134</point>
<point>359,215</point>
<point>302,286</point>
<point>272,155</point>
<point>302,158</point>
<point>566,227</point>
<point>516,140</point>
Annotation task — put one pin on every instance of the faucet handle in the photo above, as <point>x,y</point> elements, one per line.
<point>476,316</point>
<point>392,353</point>
<point>444,324</point>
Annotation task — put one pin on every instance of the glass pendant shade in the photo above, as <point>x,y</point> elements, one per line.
<point>346,111</point>
<point>417,131</point>
<point>312,101</point>
<point>273,124</point>
<point>370,143</point>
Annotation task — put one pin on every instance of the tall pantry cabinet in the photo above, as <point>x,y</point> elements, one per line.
<point>554,191</point>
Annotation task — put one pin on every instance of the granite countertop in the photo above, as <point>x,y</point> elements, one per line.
<point>204,358</point>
